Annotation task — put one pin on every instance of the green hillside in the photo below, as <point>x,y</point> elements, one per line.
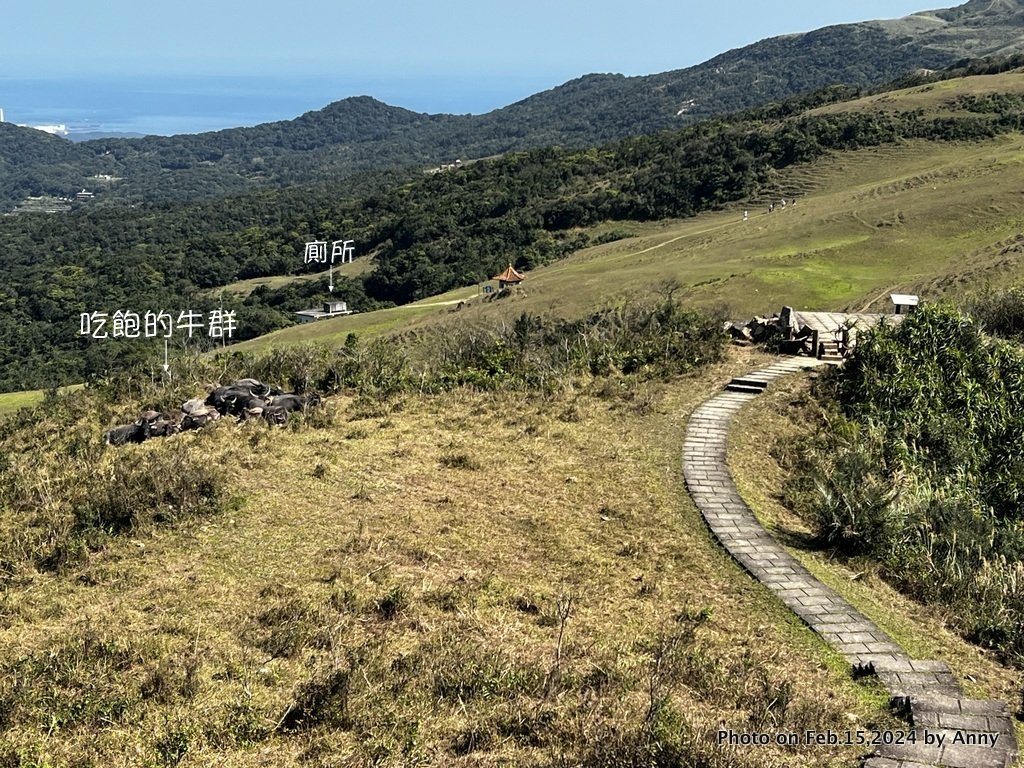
<point>458,228</point>
<point>921,217</point>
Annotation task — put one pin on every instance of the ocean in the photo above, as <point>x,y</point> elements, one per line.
<point>167,105</point>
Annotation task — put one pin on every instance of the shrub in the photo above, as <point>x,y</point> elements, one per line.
<point>651,339</point>
<point>464,670</point>
<point>916,466</point>
<point>241,725</point>
<point>460,460</point>
<point>287,622</point>
<point>392,603</point>
<point>172,746</point>
<point>999,311</point>
<point>158,486</point>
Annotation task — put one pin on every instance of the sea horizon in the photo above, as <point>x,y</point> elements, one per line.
<point>166,105</point>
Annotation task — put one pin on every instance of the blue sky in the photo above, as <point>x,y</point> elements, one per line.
<point>446,47</point>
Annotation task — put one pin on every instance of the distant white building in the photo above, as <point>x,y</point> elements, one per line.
<point>55,130</point>
<point>904,303</point>
<point>330,309</point>
<point>447,167</point>
<point>58,129</point>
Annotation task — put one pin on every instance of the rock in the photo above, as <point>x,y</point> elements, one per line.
<point>738,331</point>
<point>193,406</point>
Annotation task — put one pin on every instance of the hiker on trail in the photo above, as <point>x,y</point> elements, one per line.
<point>746,215</point>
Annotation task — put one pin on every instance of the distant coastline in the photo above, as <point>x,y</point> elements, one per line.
<point>166,105</point>
<point>97,134</point>
<point>158,105</point>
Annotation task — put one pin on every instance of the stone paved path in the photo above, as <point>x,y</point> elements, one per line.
<point>950,729</point>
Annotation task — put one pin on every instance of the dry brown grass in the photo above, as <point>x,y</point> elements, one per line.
<point>462,579</point>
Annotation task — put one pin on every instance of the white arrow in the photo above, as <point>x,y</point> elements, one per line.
<point>330,284</point>
<point>167,366</point>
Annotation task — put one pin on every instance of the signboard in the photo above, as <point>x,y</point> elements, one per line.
<point>316,251</point>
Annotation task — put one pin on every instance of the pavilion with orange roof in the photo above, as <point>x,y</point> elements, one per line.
<point>509,278</point>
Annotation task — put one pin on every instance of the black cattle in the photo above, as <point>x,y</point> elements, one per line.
<point>167,424</point>
<point>223,399</point>
<point>275,414</point>
<point>252,413</point>
<point>232,399</point>
<point>138,432</point>
<point>199,419</point>
<point>292,402</point>
<point>165,429</point>
<point>259,389</point>
<point>252,408</point>
<point>251,403</point>
<point>257,386</point>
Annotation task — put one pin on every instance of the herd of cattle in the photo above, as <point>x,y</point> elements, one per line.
<point>244,399</point>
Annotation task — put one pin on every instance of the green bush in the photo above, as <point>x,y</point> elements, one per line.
<point>322,700</point>
<point>917,466</point>
<point>650,339</point>
<point>999,312</point>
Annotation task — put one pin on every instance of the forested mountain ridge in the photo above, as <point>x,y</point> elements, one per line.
<point>361,134</point>
<point>340,140</point>
<point>434,233</point>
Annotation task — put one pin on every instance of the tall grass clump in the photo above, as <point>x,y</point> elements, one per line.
<point>918,466</point>
<point>652,339</point>
<point>999,311</point>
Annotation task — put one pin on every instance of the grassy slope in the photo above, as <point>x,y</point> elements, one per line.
<point>924,217</point>
<point>934,98</point>
<point>245,287</point>
<point>13,401</point>
<point>480,512</point>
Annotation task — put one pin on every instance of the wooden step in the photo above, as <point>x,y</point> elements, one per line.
<point>745,390</point>
<point>829,352</point>
<point>748,386</point>
<point>746,381</point>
